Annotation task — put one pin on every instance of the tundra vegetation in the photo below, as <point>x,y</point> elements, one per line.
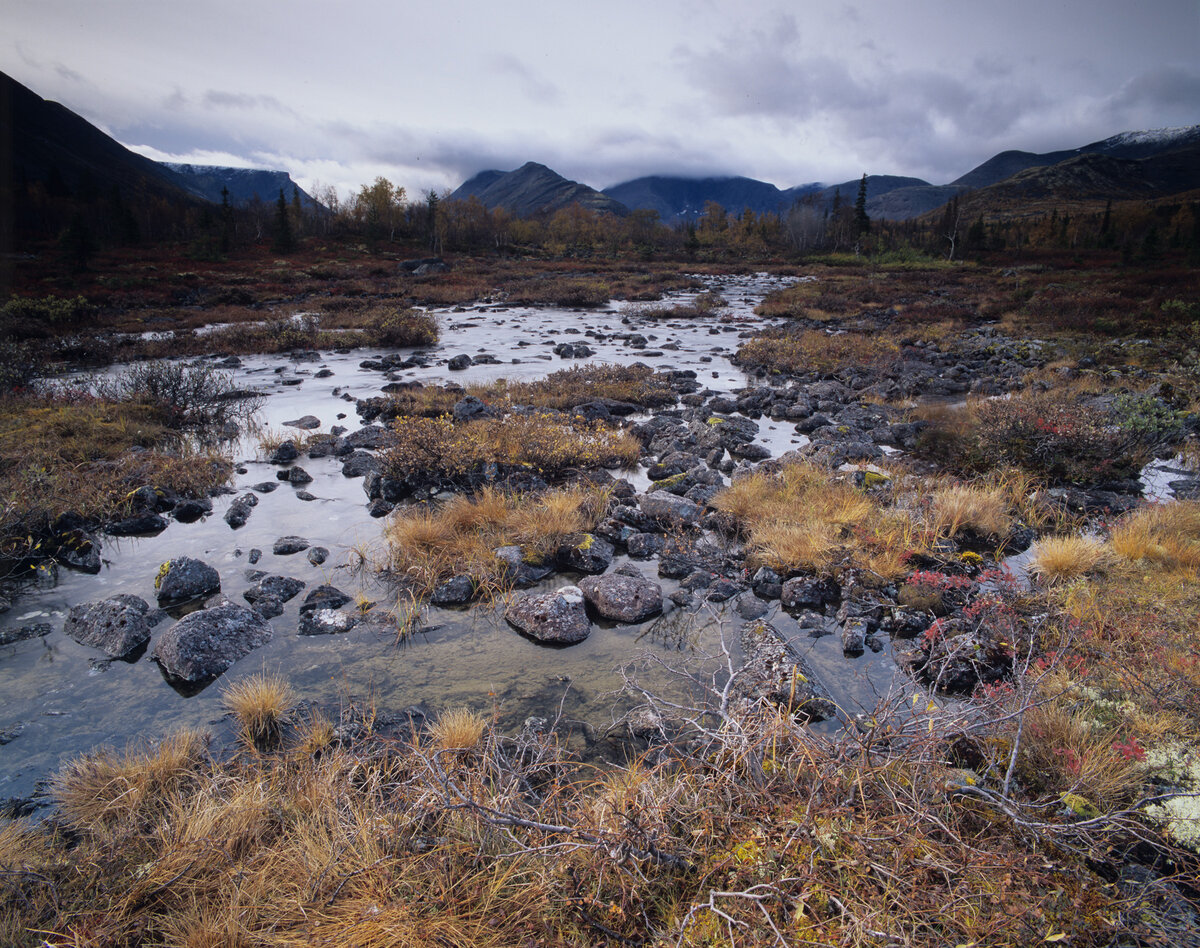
<point>1054,802</point>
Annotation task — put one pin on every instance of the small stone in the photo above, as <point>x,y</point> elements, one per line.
<point>285,546</point>
<point>318,555</point>
<point>183,579</point>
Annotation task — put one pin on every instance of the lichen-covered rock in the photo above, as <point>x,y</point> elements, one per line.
<point>325,622</point>
<point>455,591</point>
<point>116,626</point>
<point>623,598</point>
<point>585,553</point>
<point>554,618</point>
<point>519,568</point>
<point>202,645</point>
<point>183,578</point>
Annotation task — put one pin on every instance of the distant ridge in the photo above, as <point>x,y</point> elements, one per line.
<point>244,184</point>
<point>683,199</point>
<point>534,189</point>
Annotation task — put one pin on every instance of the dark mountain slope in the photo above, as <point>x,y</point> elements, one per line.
<point>534,189</point>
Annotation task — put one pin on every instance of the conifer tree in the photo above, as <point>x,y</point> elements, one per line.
<point>862,223</point>
<point>284,242</point>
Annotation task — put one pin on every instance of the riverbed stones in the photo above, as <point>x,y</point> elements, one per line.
<point>281,588</point>
<point>238,512</point>
<point>286,546</point>
<point>285,453</point>
<point>552,618</point>
<point>116,626</point>
<point>669,510</point>
<point>204,644</point>
<point>585,553</point>
<point>297,475</point>
<point>317,555</point>
<point>183,579</point>
<point>521,568</point>
<point>623,598</point>
<point>189,511</point>
<point>324,597</point>
<point>306,423</point>
<point>325,622</point>
<point>139,525</point>
<point>456,591</point>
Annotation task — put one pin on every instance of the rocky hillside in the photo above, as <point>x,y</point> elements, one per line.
<point>244,184</point>
<point>534,189</point>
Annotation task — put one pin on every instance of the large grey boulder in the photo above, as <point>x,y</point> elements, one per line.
<point>116,626</point>
<point>555,618</point>
<point>182,578</point>
<point>623,598</point>
<point>669,510</point>
<point>204,644</point>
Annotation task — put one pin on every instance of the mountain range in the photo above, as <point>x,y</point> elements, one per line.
<point>46,143</point>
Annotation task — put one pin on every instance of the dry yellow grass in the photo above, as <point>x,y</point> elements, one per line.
<point>106,789</point>
<point>260,703</point>
<point>428,546</point>
<point>1057,559</point>
<point>1164,534</point>
<point>977,508</point>
<point>460,729</point>
<point>804,518</point>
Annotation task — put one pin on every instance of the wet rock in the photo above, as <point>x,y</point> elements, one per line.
<point>37,630</point>
<point>254,555</point>
<point>148,500</point>
<point>324,597</point>
<point>76,548</point>
<point>359,464</point>
<point>804,592</point>
<point>585,553</point>
<point>643,545</point>
<point>553,618</point>
<point>305,495</point>
<point>282,588</point>
<point>239,511</point>
<point>380,508</point>
<point>669,510</point>
<point>269,607</point>
<point>854,636</point>
<point>325,622</point>
<point>774,673</point>
<point>139,525</point>
<point>749,606</point>
<point>623,598</point>
<point>297,475</point>
<point>183,579</point>
<point>519,568</point>
<point>391,489</point>
<point>766,583</point>
<point>285,453</point>
<point>370,437</point>
<point>266,487</point>
<point>286,546</point>
<point>189,511</point>
<point>456,591</point>
<point>204,644</point>
<point>750,451</point>
<point>459,362</point>
<point>116,626</point>
<point>318,555</point>
<point>307,423</point>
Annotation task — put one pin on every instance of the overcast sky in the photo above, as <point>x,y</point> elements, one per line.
<point>429,93</point>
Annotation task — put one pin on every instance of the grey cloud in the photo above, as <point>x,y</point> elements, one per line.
<point>533,85</point>
<point>1169,89</point>
<point>69,74</point>
<point>245,102</point>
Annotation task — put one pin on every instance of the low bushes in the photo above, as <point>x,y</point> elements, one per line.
<point>1053,435</point>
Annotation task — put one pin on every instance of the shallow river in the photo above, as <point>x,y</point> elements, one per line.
<point>58,698</point>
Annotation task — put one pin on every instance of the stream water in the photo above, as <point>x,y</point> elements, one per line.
<point>58,699</point>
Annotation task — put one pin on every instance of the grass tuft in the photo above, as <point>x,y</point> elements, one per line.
<point>260,703</point>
